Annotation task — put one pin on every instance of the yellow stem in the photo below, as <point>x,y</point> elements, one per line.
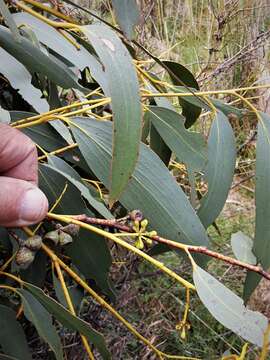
<point>185,317</point>
<point>50,10</point>
<point>102,102</point>
<point>243,352</point>
<point>58,151</point>
<point>55,24</point>
<point>6,287</point>
<point>69,38</point>
<point>62,117</point>
<point>124,244</point>
<point>11,276</point>
<point>54,111</point>
<point>248,103</point>
<point>98,298</point>
<point>71,307</point>
<point>265,348</point>
<point>5,265</point>
<point>96,184</point>
<point>202,93</point>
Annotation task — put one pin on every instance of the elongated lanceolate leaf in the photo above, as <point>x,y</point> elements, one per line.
<point>190,112</point>
<point>42,320</point>
<point>199,102</point>
<point>220,169</point>
<point>126,107</point>
<point>229,308</point>
<point>157,144</point>
<point>242,248</point>
<point>67,319</point>
<point>189,147</point>
<point>261,247</point>
<point>37,61</point>
<point>127,14</point>
<point>12,338</point>
<point>76,294</point>
<point>50,37</point>
<point>4,10</point>
<point>89,252</point>
<point>20,79</point>
<point>72,176</point>
<point>151,189</point>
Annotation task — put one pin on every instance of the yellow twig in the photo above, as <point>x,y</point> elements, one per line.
<point>55,111</point>
<point>5,265</point>
<point>58,151</point>
<point>124,244</point>
<point>50,10</point>
<point>205,93</point>
<point>98,298</point>
<point>62,117</point>
<point>69,38</point>
<point>71,307</point>
<point>265,348</point>
<point>96,184</point>
<point>55,24</point>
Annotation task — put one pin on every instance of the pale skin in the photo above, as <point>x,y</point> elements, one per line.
<point>22,203</point>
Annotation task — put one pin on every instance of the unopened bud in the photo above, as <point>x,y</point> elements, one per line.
<point>24,257</point>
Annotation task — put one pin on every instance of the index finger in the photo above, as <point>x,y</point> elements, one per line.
<point>18,155</point>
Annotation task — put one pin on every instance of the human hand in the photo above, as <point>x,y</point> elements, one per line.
<point>22,203</point>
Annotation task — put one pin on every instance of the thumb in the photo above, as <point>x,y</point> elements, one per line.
<point>22,203</point>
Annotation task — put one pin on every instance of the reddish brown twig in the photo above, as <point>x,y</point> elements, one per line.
<point>113,223</point>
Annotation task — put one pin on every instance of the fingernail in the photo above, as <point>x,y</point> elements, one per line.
<point>34,206</point>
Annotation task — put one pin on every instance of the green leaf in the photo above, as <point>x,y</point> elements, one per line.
<point>20,79</point>
<point>127,14</point>
<point>242,248</point>
<point>220,105</point>
<point>75,294</point>
<point>126,107</point>
<point>60,166</point>
<point>189,147</point>
<point>145,130</point>
<point>52,38</point>
<point>225,108</point>
<point>229,309</point>
<point>157,144</point>
<point>190,112</point>
<point>42,320</point>
<point>151,189</point>
<point>9,21</point>
<point>6,357</point>
<point>92,258</point>
<point>12,338</point>
<point>261,247</point>
<point>62,130</point>
<point>47,137</point>
<point>160,100</point>
<point>67,319</point>
<point>89,253</point>
<point>37,271</point>
<point>42,134</point>
<point>220,169</point>
<point>95,66</point>
<point>37,61</point>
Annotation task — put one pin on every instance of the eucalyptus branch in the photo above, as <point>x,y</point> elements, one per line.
<point>114,223</point>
